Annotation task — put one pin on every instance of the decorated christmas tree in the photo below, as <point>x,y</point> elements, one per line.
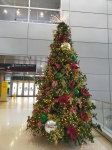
<point>63,110</point>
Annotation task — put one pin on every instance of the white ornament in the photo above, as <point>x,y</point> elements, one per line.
<point>66,45</point>
<point>50,126</point>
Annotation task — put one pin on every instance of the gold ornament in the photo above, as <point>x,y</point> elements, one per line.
<point>66,45</point>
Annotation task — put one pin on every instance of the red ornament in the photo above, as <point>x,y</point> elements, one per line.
<point>74,65</point>
<point>48,88</point>
<point>85,92</point>
<point>72,131</point>
<point>58,66</point>
<point>84,116</point>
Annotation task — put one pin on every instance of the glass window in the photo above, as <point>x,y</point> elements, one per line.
<point>15,2</point>
<point>7,13</point>
<point>21,15</point>
<point>8,77</point>
<point>53,4</point>
<point>42,16</point>
<point>13,14</point>
<point>6,2</point>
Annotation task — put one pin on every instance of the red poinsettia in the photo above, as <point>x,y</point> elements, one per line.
<point>63,99</point>
<point>73,108</point>
<point>63,38</point>
<point>53,61</point>
<point>85,92</point>
<point>58,66</point>
<point>72,131</point>
<point>84,116</point>
<point>74,65</point>
<point>49,72</point>
<point>72,84</point>
<point>48,88</point>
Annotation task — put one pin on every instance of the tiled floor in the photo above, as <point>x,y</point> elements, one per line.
<point>13,134</point>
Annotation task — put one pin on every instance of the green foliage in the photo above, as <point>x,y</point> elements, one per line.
<point>63,97</point>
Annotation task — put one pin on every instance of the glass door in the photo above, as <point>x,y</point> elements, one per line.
<point>14,88</point>
<point>36,89</point>
<point>26,87</point>
<point>20,85</point>
<point>31,88</point>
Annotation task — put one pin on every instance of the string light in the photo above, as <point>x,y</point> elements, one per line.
<point>60,18</point>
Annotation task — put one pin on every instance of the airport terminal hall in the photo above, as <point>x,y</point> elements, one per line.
<point>55,74</point>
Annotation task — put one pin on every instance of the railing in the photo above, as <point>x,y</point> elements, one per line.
<point>104,116</point>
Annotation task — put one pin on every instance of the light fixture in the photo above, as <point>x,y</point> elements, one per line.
<point>41,14</point>
<point>18,12</point>
<point>5,11</point>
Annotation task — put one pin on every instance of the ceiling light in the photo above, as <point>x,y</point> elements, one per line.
<point>18,12</point>
<point>41,14</point>
<point>5,11</point>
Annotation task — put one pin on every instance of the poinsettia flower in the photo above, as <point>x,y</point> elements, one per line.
<point>73,108</point>
<point>63,99</point>
<point>85,92</point>
<point>58,66</point>
<point>74,65</point>
<point>84,116</point>
<point>72,131</point>
<point>48,88</point>
<point>72,84</point>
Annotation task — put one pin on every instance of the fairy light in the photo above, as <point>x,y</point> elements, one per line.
<point>63,18</point>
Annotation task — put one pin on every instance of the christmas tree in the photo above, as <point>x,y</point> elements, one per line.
<point>63,110</point>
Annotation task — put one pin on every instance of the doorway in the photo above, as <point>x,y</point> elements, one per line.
<point>25,88</point>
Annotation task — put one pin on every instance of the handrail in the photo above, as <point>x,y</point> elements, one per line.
<point>102,101</point>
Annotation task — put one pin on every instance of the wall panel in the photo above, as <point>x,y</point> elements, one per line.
<point>89,35</point>
<point>88,20</point>
<point>41,31</point>
<point>110,7</point>
<point>39,47</point>
<point>13,29</point>
<point>110,21</point>
<point>96,50</point>
<point>110,60</point>
<point>95,6</point>
<point>94,66</point>
<point>110,36</point>
<point>65,4</point>
<point>98,82</point>
<point>100,95</point>
<point>110,50</point>
<point>13,46</point>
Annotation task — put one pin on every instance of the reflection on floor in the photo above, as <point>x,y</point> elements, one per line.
<point>13,134</point>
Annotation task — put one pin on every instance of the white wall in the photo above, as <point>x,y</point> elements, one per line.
<point>91,26</point>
